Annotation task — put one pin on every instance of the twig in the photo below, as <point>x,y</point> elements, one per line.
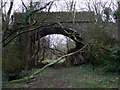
<point>43,7</point>
<point>24,5</point>
<point>21,27</point>
<point>20,34</point>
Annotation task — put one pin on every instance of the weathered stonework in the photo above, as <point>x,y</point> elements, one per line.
<point>77,21</point>
<point>59,16</point>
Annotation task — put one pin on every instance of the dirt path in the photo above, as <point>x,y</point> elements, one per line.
<point>50,81</point>
<point>70,77</point>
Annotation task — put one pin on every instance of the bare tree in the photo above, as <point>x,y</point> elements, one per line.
<point>118,21</point>
<point>6,17</point>
<point>31,53</point>
<point>31,50</point>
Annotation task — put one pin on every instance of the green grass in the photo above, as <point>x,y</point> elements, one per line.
<point>73,77</point>
<point>45,74</point>
<point>84,77</point>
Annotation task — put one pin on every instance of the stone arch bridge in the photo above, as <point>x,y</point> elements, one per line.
<point>71,24</point>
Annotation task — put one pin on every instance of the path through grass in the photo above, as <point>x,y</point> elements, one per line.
<point>71,77</point>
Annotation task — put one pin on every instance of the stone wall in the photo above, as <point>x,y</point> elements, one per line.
<point>58,16</point>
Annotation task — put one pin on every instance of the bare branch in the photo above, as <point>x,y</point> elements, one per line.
<point>15,30</point>
<point>4,5</point>
<point>10,9</point>
<point>45,26</point>
<point>24,5</point>
<point>43,7</point>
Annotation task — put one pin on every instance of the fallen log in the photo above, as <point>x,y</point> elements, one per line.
<point>42,69</point>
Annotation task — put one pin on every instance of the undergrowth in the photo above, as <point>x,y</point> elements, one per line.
<point>72,77</point>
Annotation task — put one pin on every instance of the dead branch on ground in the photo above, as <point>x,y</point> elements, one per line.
<point>42,69</point>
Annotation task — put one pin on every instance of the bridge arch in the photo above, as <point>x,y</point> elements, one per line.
<point>76,59</point>
<point>71,33</point>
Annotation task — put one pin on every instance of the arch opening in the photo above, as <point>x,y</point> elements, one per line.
<point>66,31</point>
<point>56,45</point>
<point>72,35</point>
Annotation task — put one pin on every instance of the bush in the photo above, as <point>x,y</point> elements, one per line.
<point>13,58</point>
<point>113,61</point>
<point>95,55</point>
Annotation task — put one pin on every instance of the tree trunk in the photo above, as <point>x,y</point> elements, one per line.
<point>28,53</point>
<point>118,21</point>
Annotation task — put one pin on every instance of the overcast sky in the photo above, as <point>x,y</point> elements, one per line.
<point>61,5</point>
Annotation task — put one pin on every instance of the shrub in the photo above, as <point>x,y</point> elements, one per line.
<point>13,58</point>
<point>113,61</point>
<point>95,55</point>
